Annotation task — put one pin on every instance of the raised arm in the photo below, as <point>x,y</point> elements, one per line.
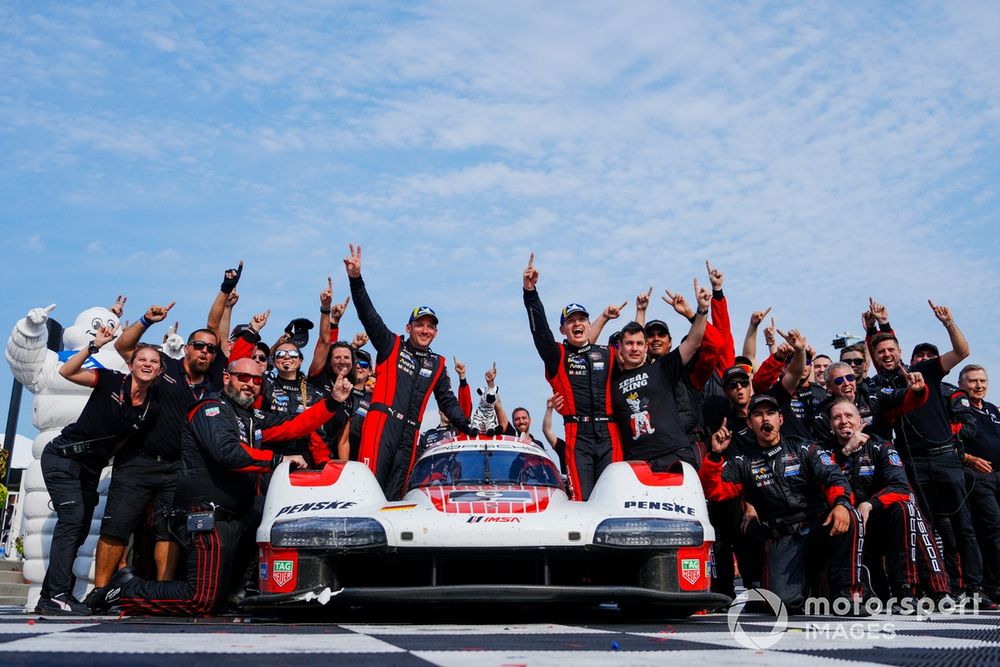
<point>959,346</point>
<point>128,340</point>
<point>491,377</point>
<point>720,317</point>
<point>545,343</point>
<point>554,403</point>
<point>642,305</point>
<point>797,369</point>
<point>380,335</point>
<point>750,341</point>
<point>217,319</point>
<point>696,333</point>
<point>612,312</point>
<point>73,369</point>
<point>329,322</point>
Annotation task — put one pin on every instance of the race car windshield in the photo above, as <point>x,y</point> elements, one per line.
<point>490,466</point>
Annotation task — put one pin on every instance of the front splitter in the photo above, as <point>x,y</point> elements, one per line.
<point>322,596</point>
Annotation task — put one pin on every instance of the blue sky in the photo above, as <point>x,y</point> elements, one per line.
<point>817,153</point>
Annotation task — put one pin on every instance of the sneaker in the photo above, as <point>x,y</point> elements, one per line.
<point>62,604</point>
<point>113,591</point>
<point>95,599</point>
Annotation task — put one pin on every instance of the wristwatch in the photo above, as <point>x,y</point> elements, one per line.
<point>92,348</point>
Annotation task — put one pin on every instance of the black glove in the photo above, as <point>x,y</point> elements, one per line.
<point>229,284</point>
<point>494,431</point>
<point>468,430</point>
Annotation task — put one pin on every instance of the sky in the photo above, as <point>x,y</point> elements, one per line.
<point>817,153</point>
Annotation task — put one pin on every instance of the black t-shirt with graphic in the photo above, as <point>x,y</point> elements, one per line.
<point>645,408</point>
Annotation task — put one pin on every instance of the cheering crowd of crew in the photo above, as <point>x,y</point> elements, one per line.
<point>821,479</point>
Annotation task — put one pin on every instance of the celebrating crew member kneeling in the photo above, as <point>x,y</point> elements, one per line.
<point>791,481</point>
<point>219,446</point>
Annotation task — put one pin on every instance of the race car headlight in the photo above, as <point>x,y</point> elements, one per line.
<point>328,532</point>
<point>649,533</point>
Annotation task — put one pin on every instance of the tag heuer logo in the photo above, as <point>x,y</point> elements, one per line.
<point>282,571</point>
<point>691,569</point>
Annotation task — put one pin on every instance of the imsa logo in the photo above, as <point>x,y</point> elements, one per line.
<point>282,571</point>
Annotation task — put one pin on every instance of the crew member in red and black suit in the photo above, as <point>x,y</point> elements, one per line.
<point>894,527</point>
<point>581,373</point>
<point>791,482</point>
<point>408,373</point>
<point>220,445</point>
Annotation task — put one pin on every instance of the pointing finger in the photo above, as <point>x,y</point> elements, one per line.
<point>623,305</point>
<point>169,307</point>
<point>50,308</point>
<point>531,261</point>
<point>766,312</point>
<point>329,283</point>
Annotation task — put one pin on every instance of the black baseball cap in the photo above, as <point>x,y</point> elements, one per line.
<point>615,338</point>
<point>925,347</point>
<point>362,355</point>
<point>761,399</point>
<point>656,324</point>
<point>298,331</point>
<point>734,373</point>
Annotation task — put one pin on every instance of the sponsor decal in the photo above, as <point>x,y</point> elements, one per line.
<point>263,571</point>
<point>793,470</point>
<point>894,459</point>
<point>824,458</point>
<point>866,471</point>
<point>282,572</point>
<point>691,569</point>
<point>320,505</point>
<point>482,518</point>
<point>657,505</point>
<point>425,372</point>
<point>212,412</point>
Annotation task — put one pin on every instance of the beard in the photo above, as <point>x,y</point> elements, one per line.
<point>239,398</point>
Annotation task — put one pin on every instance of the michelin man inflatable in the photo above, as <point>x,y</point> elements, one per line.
<point>57,403</point>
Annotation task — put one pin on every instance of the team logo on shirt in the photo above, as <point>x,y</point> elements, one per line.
<point>894,459</point>
<point>212,412</point>
<point>641,424</point>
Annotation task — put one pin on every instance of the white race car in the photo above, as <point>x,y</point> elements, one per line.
<point>486,519</point>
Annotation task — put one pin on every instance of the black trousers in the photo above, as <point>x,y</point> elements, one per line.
<point>899,535</point>
<point>73,489</point>
<point>727,517</point>
<point>941,477</point>
<point>985,499</point>
<point>795,563</point>
<point>212,559</point>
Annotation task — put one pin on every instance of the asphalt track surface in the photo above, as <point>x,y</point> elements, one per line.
<point>602,637</point>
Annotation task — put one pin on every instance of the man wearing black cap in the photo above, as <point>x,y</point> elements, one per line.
<point>803,500</point>
<point>926,442</point>
<point>581,373</point>
<point>408,372</point>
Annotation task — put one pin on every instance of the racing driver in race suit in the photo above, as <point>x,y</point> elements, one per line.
<point>581,373</point>
<point>408,371</point>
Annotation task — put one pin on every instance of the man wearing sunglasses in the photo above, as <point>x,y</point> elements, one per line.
<point>222,442</point>
<point>877,417</point>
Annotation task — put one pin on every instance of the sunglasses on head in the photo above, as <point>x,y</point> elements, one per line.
<point>737,383</point>
<point>291,354</point>
<point>249,377</point>
<point>363,364</point>
<point>843,378</point>
<point>200,345</point>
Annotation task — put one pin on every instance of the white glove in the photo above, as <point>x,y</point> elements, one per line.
<point>39,316</point>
